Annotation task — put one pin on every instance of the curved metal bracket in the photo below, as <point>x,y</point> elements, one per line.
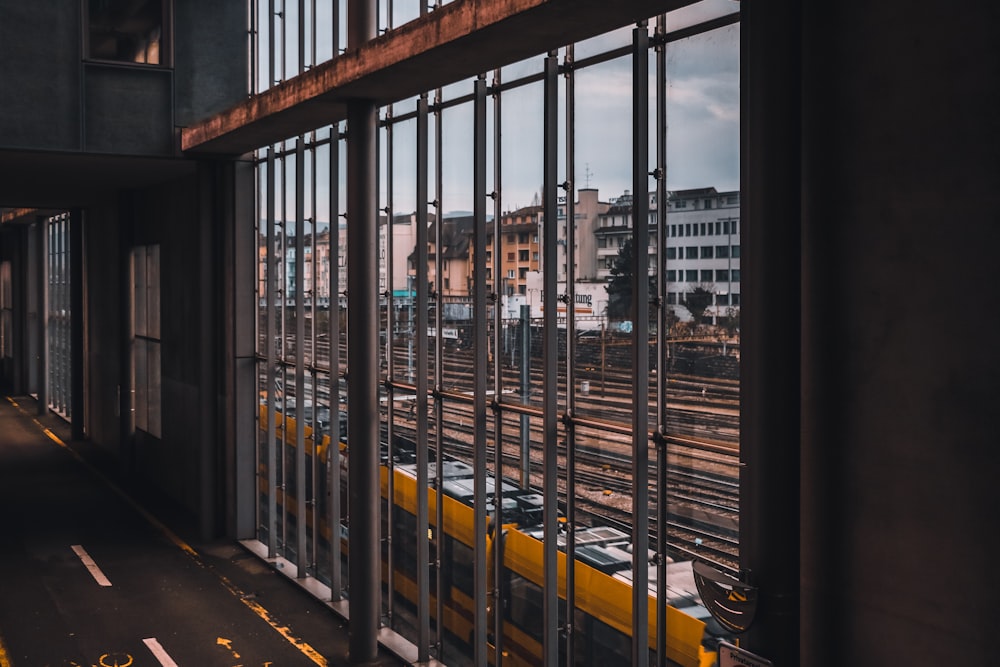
<point>730,601</point>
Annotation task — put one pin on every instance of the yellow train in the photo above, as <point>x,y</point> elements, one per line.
<point>603,569</point>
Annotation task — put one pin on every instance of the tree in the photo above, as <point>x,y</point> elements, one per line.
<point>698,300</point>
<point>619,287</point>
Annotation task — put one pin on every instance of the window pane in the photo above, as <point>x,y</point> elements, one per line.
<point>126,30</point>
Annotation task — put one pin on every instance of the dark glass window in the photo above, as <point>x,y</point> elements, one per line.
<point>126,31</point>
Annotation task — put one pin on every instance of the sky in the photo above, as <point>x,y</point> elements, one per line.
<point>702,121</point>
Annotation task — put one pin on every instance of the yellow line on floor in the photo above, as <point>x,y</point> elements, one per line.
<point>4,659</point>
<point>260,611</point>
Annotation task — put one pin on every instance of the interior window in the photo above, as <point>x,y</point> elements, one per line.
<point>126,30</point>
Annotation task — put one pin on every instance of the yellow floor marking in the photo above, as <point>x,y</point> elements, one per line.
<point>4,660</point>
<point>260,611</point>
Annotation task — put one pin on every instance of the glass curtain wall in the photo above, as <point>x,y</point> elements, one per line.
<point>58,317</point>
<point>559,370</point>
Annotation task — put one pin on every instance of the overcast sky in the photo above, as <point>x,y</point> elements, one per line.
<point>702,105</point>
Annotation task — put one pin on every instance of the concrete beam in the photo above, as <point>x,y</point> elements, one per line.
<point>460,40</point>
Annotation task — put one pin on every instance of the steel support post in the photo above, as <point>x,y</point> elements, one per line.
<point>640,347</point>
<point>271,294</point>
<point>498,429</point>
<point>422,386</point>
<point>570,188</point>
<point>662,331</point>
<point>479,373</point>
<point>300,358</point>
<point>363,352</point>
<point>333,452</point>
<point>550,356</point>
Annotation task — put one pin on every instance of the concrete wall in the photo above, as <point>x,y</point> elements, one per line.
<point>53,100</point>
<point>102,243</point>
<point>900,309</point>
<point>40,74</point>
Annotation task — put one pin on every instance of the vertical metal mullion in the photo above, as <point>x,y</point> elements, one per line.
<point>336,571</point>
<point>570,355</point>
<point>640,347</point>
<point>300,360</point>
<point>479,371</point>
<point>77,325</point>
<point>317,433</point>
<point>333,453</point>
<point>302,36</point>
<point>281,214</point>
<point>284,39</point>
<point>550,356</point>
<point>313,31</point>
<point>271,56</point>
<point>42,256</point>
<point>497,390</point>
<point>423,458</point>
<point>253,47</point>
<point>663,325</point>
<point>272,379</point>
<point>390,367</point>
<point>439,365</point>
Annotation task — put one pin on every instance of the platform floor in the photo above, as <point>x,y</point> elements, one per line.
<point>92,576</point>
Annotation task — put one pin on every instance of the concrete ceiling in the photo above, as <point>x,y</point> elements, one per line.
<point>66,180</point>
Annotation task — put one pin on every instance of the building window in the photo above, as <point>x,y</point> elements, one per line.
<point>126,31</point>
<point>671,275</point>
<point>522,255</point>
<point>58,336</point>
<point>706,275</point>
<point>735,275</point>
<point>6,313</point>
<point>691,252</point>
<point>722,275</point>
<point>708,203</point>
<point>722,251</point>
<point>671,253</point>
<point>691,275</point>
<point>707,252</point>
<point>736,252</point>
<point>146,346</point>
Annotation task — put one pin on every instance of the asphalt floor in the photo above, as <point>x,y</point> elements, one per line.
<point>95,572</point>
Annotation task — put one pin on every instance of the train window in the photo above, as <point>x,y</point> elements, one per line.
<point>524,608</point>
<point>598,643</point>
<point>462,562</point>
<point>404,541</point>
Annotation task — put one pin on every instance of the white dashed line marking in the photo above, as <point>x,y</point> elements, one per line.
<point>157,650</point>
<point>91,565</point>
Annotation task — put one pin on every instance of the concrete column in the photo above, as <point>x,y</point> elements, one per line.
<point>771,210</point>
